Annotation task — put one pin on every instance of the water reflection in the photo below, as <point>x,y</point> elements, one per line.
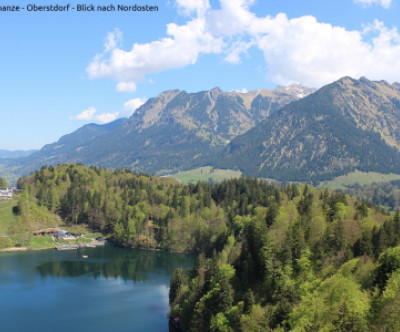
<point>111,262</point>
<point>114,289</point>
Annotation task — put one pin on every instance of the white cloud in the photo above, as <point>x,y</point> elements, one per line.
<point>126,87</point>
<point>128,109</point>
<point>107,117</point>
<point>242,90</point>
<point>113,40</point>
<point>188,7</point>
<point>85,115</point>
<point>182,47</point>
<point>132,105</point>
<point>294,50</point>
<point>236,50</point>
<point>384,3</point>
<point>304,50</point>
<point>313,53</point>
<point>233,19</point>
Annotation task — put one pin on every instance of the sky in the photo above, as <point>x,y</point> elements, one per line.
<point>62,70</point>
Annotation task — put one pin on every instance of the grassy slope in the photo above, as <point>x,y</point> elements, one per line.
<point>7,221</point>
<point>362,178</point>
<point>14,232</point>
<point>205,173</point>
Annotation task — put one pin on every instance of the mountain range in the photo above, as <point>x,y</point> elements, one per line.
<point>171,131</point>
<point>291,133</point>
<point>15,153</point>
<point>347,125</point>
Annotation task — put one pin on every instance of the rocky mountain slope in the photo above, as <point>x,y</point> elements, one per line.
<point>291,133</point>
<point>173,130</point>
<point>347,125</point>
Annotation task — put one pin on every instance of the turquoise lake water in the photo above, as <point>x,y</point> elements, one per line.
<point>114,289</point>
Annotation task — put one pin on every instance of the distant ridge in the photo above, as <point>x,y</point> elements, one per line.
<point>347,125</point>
<point>291,133</point>
<point>174,130</point>
<point>15,153</point>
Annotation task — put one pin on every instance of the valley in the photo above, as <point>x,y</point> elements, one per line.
<point>239,180</point>
<point>288,134</point>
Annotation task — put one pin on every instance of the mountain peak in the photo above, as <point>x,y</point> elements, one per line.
<point>169,94</point>
<point>215,93</point>
<point>363,79</point>
<point>347,125</point>
<point>296,90</point>
<point>347,80</point>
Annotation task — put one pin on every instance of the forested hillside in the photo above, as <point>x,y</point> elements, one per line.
<point>385,194</point>
<point>294,258</point>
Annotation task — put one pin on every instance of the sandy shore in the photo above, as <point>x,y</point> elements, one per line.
<point>14,249</point>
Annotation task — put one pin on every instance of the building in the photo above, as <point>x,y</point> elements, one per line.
<point>6,193</point>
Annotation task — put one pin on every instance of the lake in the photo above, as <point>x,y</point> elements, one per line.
<point>114,289</point>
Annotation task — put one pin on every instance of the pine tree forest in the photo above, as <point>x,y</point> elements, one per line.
<point>269,258</point>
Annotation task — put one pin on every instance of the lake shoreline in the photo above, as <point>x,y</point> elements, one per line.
<point>16,249</point>
<point>54,245</point>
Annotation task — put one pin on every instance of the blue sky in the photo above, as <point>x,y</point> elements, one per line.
<point>60,71</point>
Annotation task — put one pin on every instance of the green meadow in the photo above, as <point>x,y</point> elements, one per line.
<point>362,178</point>
<point>206,173</point>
